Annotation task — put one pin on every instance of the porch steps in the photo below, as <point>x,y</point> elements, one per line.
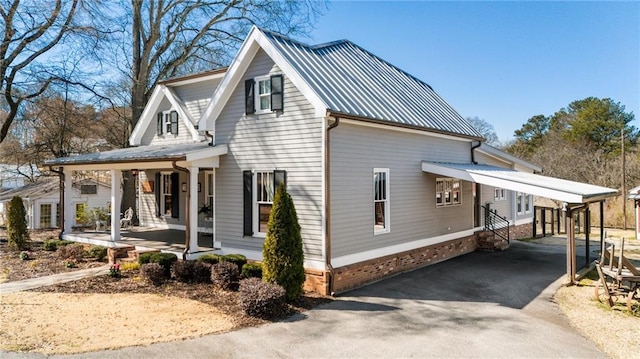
<point>487,241</point>
<point>126,254</point>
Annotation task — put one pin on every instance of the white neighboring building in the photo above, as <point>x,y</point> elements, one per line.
<point>42,200</point>
<point>10,178</point>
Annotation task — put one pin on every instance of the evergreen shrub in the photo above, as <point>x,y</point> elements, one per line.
<point>282,252</point>
<point>153,273</point>
<point>252,270</point>
<point>17,232</point>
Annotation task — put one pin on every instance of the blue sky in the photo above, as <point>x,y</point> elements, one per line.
<point>501,61</point>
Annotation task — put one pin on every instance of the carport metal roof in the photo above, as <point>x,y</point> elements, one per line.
<point>538,185</point>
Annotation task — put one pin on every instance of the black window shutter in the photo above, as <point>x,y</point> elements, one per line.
<point>157,189</point>
<point>175,195</point>
<point>247,183</point>
<point>277,93</point>
<point>279,176</point>
<point>249,99</point>
<point>160,123</point>
<point>174,122</point>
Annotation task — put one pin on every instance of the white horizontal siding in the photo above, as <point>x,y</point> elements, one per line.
<point>291,141</point>
<point>196,96</point>
<point>355,151</point>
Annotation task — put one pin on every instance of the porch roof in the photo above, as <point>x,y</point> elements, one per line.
<point>538,185</point>
<point>144,154</point>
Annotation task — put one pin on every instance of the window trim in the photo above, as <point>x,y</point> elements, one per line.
<point>257,95</point>
<point>162,184</point>
<point>386,201</point>
<point>525,201</point>
<point>500,194</point>
<point>448,188</point>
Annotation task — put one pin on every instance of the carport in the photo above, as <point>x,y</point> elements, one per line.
<point>576,196</point>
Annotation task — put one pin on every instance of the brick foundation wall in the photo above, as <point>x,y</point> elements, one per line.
<point>521,231</point>
<point>358,274</point>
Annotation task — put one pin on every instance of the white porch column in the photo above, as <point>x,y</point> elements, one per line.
<point>68,205</point>
<point>193,209</point>
<point>115,204</point>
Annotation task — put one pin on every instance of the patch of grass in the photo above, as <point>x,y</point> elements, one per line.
<point>590,278</point>
<point>528,240</point>
<point>18,347</point>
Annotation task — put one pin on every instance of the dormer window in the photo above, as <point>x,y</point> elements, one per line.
<point>167,122</point>
<point>264,94</point>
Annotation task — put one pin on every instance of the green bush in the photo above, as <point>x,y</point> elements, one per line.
<point>225,276</point>
<point>165,260</point>
<point>183,271</point>
<point>72,251</point>
<point>282,252</point>
<point>260,299</point>
<point>145,258</point>
<point>97,252</point>
<point>153,273</point>
<point>209,258</point>
<point>53,244</point>
<point>201,272</point>
<point>50,245</point>
<point>252,270</point>
<point>17,232</point>
<point>237,259</point>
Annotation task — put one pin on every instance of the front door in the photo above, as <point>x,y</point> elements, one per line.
<point>476,204</point>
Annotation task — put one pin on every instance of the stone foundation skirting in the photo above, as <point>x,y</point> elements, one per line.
<point>358,274</point>
<point>521,231</point>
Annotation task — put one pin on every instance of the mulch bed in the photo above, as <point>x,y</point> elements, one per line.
<point>41,262</point>
<point>44,263</point>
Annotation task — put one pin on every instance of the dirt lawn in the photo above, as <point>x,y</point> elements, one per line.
<point>53,323</point>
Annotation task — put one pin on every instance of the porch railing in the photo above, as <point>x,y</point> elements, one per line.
<point>496,223</point>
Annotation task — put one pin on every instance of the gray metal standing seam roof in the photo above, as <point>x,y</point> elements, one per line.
<point>352,81</point>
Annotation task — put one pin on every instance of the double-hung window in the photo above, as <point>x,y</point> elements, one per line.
<point>259,190</point>
<point>45,215</point>
<point>523,203</point>
<point>167,123</point>
<point>166,195</point>
<point>499,194</point>
<point>448,192</point>
<point>264,94</point>
<point>381,217</point>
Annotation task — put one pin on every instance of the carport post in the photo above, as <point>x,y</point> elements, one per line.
<point>587,229</point>
<point>601,224</point>
<point>570,229</point>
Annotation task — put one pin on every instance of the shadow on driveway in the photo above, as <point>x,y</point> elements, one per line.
<point>511,278</point>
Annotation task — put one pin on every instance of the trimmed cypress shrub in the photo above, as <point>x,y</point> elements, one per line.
<point>17,232</point>
<point>237,259</point>
<point>252,270</point>
<point>153,273</point>
<point>225,276</point>
<point>209,258</point>
<point>260,299</point>
<point>282,250</point>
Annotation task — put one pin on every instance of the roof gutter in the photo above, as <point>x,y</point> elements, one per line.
<point>347,116</point>
<point>62,180</point>
<point>187,232</point>
<point>327,179</point>
<point>473,153</point>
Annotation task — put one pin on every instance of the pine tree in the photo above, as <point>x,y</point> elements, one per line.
<point>282,250</point>
<point>17,225</point>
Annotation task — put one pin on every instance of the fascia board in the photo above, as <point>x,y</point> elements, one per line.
<point>214,151</point>
<point>145,119</point>
<point>177,103</point>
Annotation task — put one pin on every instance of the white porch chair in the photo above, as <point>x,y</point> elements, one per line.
<point>126,219</point>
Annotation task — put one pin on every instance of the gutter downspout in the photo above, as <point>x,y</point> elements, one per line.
<point>61,175</point>
<point>209,135</point>
<point>327,179</point>
<point>187,232</point>
<point>473,147</point>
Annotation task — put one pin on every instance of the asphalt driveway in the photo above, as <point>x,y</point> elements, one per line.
<point>485,305</point>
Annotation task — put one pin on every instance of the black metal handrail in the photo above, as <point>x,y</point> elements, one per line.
<point>496,223</point>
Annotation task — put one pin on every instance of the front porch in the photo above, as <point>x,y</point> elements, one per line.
<point>146,239</point>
